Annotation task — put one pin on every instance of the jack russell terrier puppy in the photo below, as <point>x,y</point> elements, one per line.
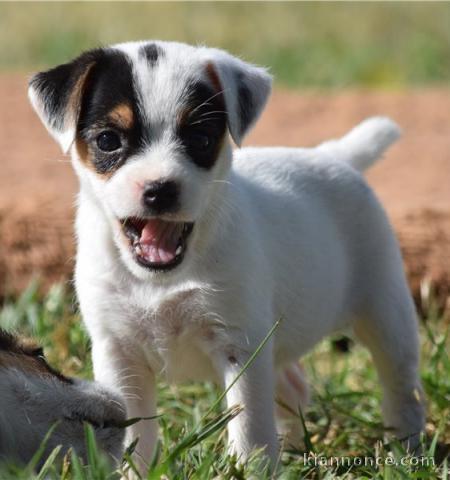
<point>34,397</point>
<point>189,252</point>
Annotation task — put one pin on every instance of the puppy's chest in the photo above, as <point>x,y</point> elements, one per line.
<point>176,334</point>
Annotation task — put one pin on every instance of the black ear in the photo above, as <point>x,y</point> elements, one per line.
<point>57,93</point>
<point>246,89</point>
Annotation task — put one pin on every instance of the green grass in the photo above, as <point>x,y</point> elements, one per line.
<point>343,419</point>
<point>305,44</point>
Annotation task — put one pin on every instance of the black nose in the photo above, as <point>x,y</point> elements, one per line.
<point>160,197</point>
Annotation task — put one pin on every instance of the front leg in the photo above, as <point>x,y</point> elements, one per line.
<point>136,382</point>
<point>254,427</point>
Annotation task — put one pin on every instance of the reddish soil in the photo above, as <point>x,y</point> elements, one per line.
<point>38,186</point>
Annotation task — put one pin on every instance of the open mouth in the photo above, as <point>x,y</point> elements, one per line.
<point>155,243</point>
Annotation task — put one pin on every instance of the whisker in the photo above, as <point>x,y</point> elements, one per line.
<point>206,101</point>
<point>115,402</point>
<point>131,396</point>
<point>213,111</point>
<point>227,182</point>
<point>132,387</point>
<point>204,120</point>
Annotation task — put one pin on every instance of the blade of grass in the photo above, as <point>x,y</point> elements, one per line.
<point>306,435</point>
<point>131,465</point>
<point>198,435</point>
<point>243,369</point>
<point>131,421</point>
<point>48,463</point>
<point>77,466</point>
<point>91,446</point>
<point>445,472</point>
<point>40,452</point>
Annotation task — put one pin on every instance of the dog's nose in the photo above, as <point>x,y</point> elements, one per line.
<point>160,197</point>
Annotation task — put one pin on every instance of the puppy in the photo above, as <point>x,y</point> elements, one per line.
<point>34,398</point>
<point>188,251</point>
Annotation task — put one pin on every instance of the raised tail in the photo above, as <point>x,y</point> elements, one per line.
<point>365,143</point>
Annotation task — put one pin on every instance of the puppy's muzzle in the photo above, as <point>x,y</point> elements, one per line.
<point>160,197</point>
<point>158,240</point>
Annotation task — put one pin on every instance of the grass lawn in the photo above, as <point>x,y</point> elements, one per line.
<point>343,419</point>
<point>325,44</point>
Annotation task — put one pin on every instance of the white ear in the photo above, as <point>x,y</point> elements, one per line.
<point>56,96</point>
<point>246,89</point>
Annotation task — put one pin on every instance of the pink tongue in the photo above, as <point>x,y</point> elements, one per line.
<point>159,240</point>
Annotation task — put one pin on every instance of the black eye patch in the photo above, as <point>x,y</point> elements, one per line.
<point>109,123</point>
<point>203,124</point>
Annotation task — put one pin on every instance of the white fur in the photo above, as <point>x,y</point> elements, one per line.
<point>286,233</point>
<point>364,144</point>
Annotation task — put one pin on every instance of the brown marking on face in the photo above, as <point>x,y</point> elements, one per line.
<point>215,80</point>
<point>183,115</point>
<point>211,73</point>
<point>76,96</point>
<point>122,115</point>
<point>82,150</point>
<point>85,156</point>
<point>213,77</point>
<point>216,83</point>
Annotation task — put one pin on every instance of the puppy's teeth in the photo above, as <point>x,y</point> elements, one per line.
<point>165,256</point>
<point>178,250</point>
<point>138,249</point>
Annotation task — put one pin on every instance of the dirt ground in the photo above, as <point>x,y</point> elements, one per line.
<point>38,187</point>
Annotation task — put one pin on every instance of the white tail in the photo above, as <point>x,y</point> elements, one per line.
<point>365,143</point>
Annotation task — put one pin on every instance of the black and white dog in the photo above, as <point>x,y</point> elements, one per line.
<point>188,251</point>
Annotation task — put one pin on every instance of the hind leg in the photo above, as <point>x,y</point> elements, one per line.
<point>389,330</point>
<point>292,393</point>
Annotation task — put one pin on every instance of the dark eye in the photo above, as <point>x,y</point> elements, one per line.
<point>38,352</point>
<point>200,142</point>
<point>108,141</point>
